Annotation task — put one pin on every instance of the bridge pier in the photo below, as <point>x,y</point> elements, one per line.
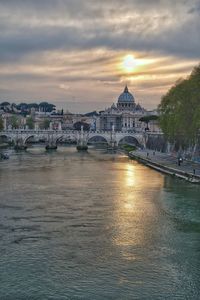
<point>112,144</point>
<point>82,141</point>
<point>51,143</point>
<point>51,146</point>
<point>19,144</point>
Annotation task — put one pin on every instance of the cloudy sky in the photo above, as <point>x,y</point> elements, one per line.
<point>73,52</point>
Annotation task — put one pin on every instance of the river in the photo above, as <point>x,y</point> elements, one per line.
<point>95,226</point>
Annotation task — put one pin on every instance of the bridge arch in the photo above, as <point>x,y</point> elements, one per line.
<point>37,137</point>
<point>5,136</point>
<point>27,138</point>
<point>9,138</point>
<point>98,136</point>
<point>129,139</point>
<point>59,138</point>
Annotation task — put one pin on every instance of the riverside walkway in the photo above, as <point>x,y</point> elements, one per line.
<point>168,164</point>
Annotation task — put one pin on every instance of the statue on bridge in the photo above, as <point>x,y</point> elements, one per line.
<point>112,145</point>
<point>113,139</point>
<point>82,140</point>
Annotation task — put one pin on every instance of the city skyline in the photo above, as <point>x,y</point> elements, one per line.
<point>74,53</point>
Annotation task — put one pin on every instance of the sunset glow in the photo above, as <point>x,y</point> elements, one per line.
<point>129,63</point>
<point>84,60</point>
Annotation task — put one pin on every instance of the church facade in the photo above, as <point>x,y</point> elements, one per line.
<point>124,115</point>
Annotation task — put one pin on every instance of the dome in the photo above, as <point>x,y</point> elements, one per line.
<point>126,96</point>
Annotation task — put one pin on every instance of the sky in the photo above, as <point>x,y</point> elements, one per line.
<point>74,52</point>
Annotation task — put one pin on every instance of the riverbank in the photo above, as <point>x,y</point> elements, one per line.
<point>168,164</point>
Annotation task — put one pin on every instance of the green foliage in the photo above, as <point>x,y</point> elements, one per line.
<point>45,124</point>
<point>147,119</point>
<point>1,124</point>
<point>14,121</point>
<point>180,111</point>
<point>129,148</point>
<point>25,108</point>
<point>33,105</point>
<point>5,103</point>
<point>30,123</point>
<point>47,107</point>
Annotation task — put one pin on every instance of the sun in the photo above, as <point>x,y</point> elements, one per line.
<point>129,63</point>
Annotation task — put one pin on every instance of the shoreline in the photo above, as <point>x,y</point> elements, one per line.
<point>192,178</point>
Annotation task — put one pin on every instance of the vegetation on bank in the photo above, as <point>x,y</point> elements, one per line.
<point>129,148</point>
<point>180,111</point>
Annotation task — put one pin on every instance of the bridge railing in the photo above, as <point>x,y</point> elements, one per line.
<point>69,131</point>
<point>33,131</point>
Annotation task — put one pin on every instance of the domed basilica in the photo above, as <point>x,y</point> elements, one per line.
<point>124,115</point>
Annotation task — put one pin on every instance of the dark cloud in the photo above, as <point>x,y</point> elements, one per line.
<point>35,26</point>
<point>87,36</point>
<point>195,9</point>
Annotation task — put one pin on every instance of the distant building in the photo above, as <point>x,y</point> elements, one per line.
<point>124,115</point>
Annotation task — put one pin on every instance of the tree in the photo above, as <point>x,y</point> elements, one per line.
<point>13,107</point>
<point>33,105</point>
<point>5,106</point>
<point>147,119</point>
<point>23,106</point>
<point>180,111</point>
<point>14,121</point>
<point>47,107</point>
<point>30,123</point>
<point>5,103</point>
<point>1,124</point>
<point>45,124</point>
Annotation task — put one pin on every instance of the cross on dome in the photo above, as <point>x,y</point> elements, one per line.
<point>126,96</point>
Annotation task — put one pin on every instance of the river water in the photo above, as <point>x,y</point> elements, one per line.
<point>95,226</point>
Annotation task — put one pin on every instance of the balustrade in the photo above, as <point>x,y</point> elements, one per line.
<point>113,137</point>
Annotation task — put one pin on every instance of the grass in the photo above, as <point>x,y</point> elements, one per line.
<point>129,148</point>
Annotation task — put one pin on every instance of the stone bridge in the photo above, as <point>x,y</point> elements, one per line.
<point>112,138</point>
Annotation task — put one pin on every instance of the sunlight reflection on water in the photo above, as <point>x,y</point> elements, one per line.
<point>95,226</point>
